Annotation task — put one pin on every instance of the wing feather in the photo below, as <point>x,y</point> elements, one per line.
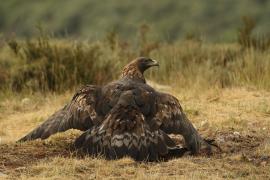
<point>125,132</point>
<point>171,118</point>
<point>79,114</point>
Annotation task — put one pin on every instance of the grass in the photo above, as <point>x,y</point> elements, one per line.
<point>236,117</point>
<point>224,88</point>
<point>45,64</point>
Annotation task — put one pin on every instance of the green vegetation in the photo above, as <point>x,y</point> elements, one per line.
<point>169,19</point>
<point>165,30</point>
<point>47,64</point>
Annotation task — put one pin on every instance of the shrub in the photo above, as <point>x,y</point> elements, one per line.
<point>56,66</point>
<point>47,64</point>
<point>247,40</point>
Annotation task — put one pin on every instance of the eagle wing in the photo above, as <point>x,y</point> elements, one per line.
<point>79,114</point>
<point>170,118</point>
<point>125,132</point>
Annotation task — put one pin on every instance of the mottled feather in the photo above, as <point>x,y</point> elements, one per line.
<point>80,114</point>
<point>126,117</point>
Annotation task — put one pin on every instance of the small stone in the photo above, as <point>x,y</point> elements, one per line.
<point>204,123</point>
<point>236,133</point>
<point>20,168</point>
<point>263,163</point>
<point>25,101</point>
<point>220,140</point>
<point>3,175</point>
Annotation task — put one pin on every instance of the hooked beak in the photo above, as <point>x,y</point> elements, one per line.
<point>153,63</point>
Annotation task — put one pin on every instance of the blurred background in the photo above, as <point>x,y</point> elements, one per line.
<point>169,20</point>
<point>60,45</point>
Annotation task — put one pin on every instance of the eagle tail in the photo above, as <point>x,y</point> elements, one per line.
<point>149,146</point>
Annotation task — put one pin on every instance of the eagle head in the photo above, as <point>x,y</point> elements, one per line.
<point>135,69</point>
<point>144,63</point>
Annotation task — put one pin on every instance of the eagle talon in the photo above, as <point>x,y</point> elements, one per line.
<point>211,142</point>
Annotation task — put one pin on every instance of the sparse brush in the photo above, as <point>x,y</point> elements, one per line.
<point>14,46</point>
<point>47,64</point>
<point>146,46</point>
<point>3,78</point>
<point>57,66</point>
<point>247,40</point>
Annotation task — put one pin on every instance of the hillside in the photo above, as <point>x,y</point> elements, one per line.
<point>168,19</point>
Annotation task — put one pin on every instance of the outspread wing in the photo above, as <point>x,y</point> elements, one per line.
<point>170,118</point>
<point>80,114</point>
<point>125,132</point>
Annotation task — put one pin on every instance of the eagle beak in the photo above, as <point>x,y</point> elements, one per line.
<point>154,63</point>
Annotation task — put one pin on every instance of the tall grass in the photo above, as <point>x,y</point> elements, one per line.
<point>247,39</point>
<point>223,65</point>
<point>46,64</point>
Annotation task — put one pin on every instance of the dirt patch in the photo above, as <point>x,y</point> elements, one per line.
<point>242,146</point>
<point>18,156</point>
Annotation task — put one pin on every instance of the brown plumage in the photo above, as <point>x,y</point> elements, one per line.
<point>126,117</point>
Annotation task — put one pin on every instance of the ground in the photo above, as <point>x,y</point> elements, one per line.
<point>237,118</point>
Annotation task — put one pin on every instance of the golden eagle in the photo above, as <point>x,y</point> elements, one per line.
<point>126,117</point>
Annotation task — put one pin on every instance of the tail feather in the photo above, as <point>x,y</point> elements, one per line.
<point>150,146</point>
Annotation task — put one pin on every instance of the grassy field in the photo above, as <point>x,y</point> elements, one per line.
<point>238,118</point>
<point>224,89</point>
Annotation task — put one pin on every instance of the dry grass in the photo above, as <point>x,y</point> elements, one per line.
<point>238,118</point>
<point>45,64</point>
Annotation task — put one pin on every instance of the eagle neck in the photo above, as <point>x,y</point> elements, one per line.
<point>132,72</point>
